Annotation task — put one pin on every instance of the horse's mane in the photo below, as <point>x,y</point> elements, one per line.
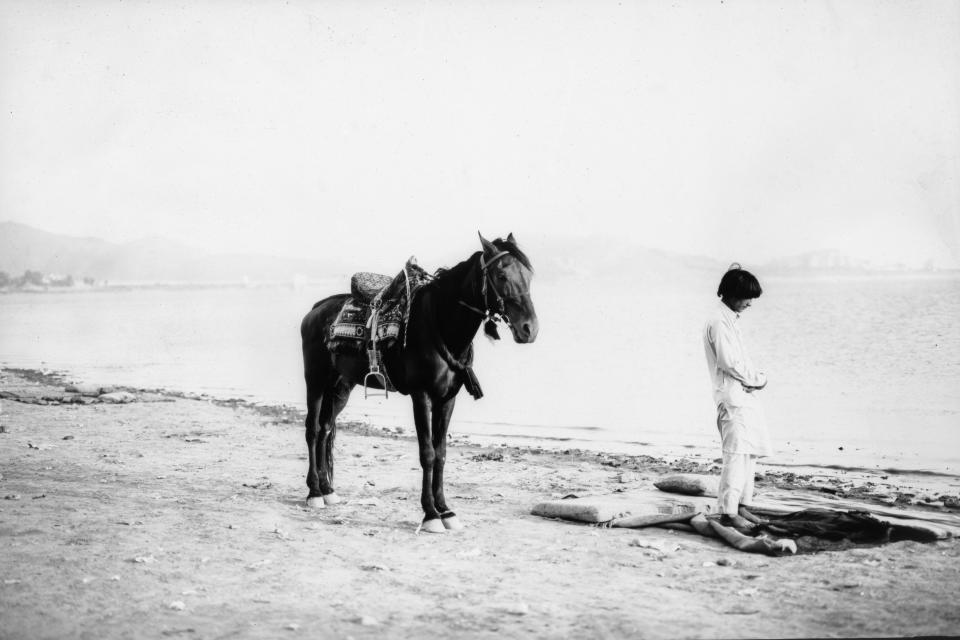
<point>448,280</point>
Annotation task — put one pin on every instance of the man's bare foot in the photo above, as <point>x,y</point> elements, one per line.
<point>739,523</point>
<point>750,516</point>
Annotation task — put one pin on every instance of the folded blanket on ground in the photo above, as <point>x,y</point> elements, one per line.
<point>639,503</point>
<point>689,484</point>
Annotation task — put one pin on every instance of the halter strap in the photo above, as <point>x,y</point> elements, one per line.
<point>473,308</point>
<point>484,265</point>
<point>484,277</point>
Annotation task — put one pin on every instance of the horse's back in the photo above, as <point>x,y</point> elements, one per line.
<point>315,324</point>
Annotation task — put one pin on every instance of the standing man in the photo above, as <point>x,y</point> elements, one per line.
<point>736,382</point>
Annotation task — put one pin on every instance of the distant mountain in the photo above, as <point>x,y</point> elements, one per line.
<point>144,261</point>
<point>556,258</point>
<point>826,260</point>
<point>157,259</point>
<point>832,261</point>
<point>587,258</point>
<point>620,261</point>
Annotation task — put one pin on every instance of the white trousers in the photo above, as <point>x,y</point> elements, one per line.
<point>736,482</point>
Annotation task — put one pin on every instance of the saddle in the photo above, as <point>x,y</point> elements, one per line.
<point>366,286</point>
<point>375,316</point>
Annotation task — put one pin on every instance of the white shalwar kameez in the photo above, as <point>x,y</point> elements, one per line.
<point>743,430</point>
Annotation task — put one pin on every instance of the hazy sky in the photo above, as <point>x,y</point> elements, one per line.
<point>747,129</point>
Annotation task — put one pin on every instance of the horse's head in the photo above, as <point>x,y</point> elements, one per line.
<point>509,273</point>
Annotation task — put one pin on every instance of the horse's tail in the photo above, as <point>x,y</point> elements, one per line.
<point>314,321</point>
<point>328,450</point>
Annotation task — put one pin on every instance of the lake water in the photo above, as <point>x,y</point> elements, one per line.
<point>863,372</point>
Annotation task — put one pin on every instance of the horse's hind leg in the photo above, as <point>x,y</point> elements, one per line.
<point>313,436</point>
<point>335,398</point>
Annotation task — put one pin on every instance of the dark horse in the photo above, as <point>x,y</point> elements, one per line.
<point>431,367</point>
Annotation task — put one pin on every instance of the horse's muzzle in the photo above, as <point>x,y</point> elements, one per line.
<point>526,331</point>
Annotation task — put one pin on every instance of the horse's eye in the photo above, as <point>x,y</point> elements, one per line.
<point>501,277</point>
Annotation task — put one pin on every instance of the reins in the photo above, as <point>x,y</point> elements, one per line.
<point>463,364</point>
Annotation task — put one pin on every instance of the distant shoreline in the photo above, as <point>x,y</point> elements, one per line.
<point>945,274</point>
<point>774,276</point>
<point>170,286</point>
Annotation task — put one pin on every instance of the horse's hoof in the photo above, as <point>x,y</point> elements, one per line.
<point>433,526</point>
<point>332,498</point>
<point>451,522</point>
<point>315,502</point>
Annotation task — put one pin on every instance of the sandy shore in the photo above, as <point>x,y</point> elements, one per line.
<point>184,517</point>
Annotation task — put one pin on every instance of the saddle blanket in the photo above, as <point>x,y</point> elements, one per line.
<point>353,327</point>
<point>353,324</point>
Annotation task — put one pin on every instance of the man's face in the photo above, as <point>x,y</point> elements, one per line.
<point>738,306</point>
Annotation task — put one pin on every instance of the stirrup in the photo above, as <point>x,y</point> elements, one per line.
<point>367,392</point>
<point>375,372</point>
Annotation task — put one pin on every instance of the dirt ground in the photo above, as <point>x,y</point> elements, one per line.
<point>177,517</point>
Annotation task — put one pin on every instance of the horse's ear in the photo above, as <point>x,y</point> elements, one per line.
<point>511,239</point>
<point>487,245</point>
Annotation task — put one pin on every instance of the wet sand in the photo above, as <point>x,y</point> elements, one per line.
<point>176,516</point>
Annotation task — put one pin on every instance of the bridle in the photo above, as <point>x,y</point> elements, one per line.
<point>490,311</point>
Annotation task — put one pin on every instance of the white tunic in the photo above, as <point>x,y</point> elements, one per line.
<point>739,414</point>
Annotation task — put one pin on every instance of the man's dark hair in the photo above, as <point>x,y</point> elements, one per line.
<point>739,284</point>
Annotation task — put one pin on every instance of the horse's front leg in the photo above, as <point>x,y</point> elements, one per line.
<point>421,417</point>
<point>442,410</point>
